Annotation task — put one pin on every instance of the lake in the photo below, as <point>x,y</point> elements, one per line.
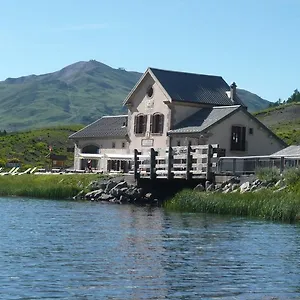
<point>82,250</point>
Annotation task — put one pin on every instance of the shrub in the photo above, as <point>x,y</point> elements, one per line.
<point>268,174</point>
<point>292,175</point>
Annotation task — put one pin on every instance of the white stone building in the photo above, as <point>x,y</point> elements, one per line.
<point>174,108</point>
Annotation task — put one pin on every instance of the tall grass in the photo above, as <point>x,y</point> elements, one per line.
<point>280,206</point>
<point>45,186</point>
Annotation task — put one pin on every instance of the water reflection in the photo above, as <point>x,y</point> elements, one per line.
<point>71,250</point>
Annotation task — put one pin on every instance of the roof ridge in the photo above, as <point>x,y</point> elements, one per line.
<point>183,72</point>
<point>116,116</point>
<point>227,106</point>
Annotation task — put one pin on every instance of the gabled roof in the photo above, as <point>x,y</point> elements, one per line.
<point>190,87</point>
<point>208,117</point>
<point>203,119</point>
<point>107,126</point>
<point>293,151</point>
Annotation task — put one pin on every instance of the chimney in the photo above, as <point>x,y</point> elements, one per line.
<point>233,92</point>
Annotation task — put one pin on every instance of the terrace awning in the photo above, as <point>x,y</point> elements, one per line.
<point>118,156</point>
<point>90,155</point>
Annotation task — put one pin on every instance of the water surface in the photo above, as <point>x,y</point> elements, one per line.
<point>82,250</point>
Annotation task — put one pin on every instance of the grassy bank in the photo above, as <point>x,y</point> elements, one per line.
<point>281,206</point>
<point>45,186</point>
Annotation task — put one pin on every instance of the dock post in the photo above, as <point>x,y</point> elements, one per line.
<point>233,166</point>
<point>208,167</point>
<point>170,174</point>
<point>188,163</point>
<point>281,164</point>
<point>136,165</point>
<point>153,154</point>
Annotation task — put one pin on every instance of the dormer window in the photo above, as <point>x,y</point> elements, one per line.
<point>150,92</point>
<point>157,123</point>
<point>140,124</point>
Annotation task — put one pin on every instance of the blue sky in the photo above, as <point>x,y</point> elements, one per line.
<point>255,43</point>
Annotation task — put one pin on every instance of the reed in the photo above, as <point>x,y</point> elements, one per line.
<point>46,186</point>
<point>279,206</point>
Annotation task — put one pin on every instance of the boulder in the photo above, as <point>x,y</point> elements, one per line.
<point>199,187</point>
<point>105,197</point>
<point>245,187</point>
<point>110,185</point>
<point>80,195</point>
<point>280,189</point>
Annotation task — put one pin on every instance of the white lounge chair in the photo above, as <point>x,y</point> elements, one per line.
<point>9,172</point>
<point>25,172</point>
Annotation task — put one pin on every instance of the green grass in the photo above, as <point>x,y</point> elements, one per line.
<point>32,147</point>
<point>272,109</point>
<point>288,131</point>
<point>46,186</point>
<point>280,206</point>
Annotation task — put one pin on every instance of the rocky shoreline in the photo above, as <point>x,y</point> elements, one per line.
<point>120,191</point>
<point>242,185</point>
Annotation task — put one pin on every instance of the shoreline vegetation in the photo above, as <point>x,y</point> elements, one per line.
<point>268,202</point>
<point>53,186</point>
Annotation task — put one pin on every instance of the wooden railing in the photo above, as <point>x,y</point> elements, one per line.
<point>184,162</point>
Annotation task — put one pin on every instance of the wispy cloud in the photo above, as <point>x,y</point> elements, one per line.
<point>82,27</point>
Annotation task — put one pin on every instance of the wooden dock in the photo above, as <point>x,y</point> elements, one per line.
<point>180,162</point>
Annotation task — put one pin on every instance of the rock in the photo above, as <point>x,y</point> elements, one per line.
<point>280,189</point>
<point>210,188</point>
<point>148,196</point>
<point>199,187</point>
<point>226,191</point>
<point>105,197</point>
<point>279,183</point>
<point>80,195</point>
<point>245,187</point>
<point>110,185</point>
<point>234,187</point>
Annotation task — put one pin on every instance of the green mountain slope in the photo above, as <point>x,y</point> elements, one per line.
<point>284,120</point>
<point>253,102</point>
<point>79,93</point>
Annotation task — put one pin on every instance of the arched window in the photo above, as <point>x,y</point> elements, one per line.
<point>157,123</point>
<point>90,149</point>
<point>140,124</point>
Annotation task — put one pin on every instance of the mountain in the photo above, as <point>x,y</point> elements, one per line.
<point>79,93</point>
<point>252,101</point>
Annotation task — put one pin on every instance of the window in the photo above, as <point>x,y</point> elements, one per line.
<point>113,145</point>
<point>157,123</point>
<point>140,124</point>
<point>123,144</point>
<point>251,131</point>
<point>238,138</point>
<point>178,143</point>
<point>150,92</point>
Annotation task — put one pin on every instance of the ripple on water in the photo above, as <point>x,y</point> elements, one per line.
<point>79,250</point>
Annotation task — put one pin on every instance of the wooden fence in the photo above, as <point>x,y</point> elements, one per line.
<point>181,162</point>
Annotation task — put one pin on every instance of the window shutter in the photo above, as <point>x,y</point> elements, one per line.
<point>151,123</point>
<point>135,124</point>
<point>161,123</point>
<point>144,123</point>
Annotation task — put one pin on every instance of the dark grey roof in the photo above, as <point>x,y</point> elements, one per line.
<point>108,126</point>
<point>203,119</point>
<point>289,151</point>
<point>189,87</point>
